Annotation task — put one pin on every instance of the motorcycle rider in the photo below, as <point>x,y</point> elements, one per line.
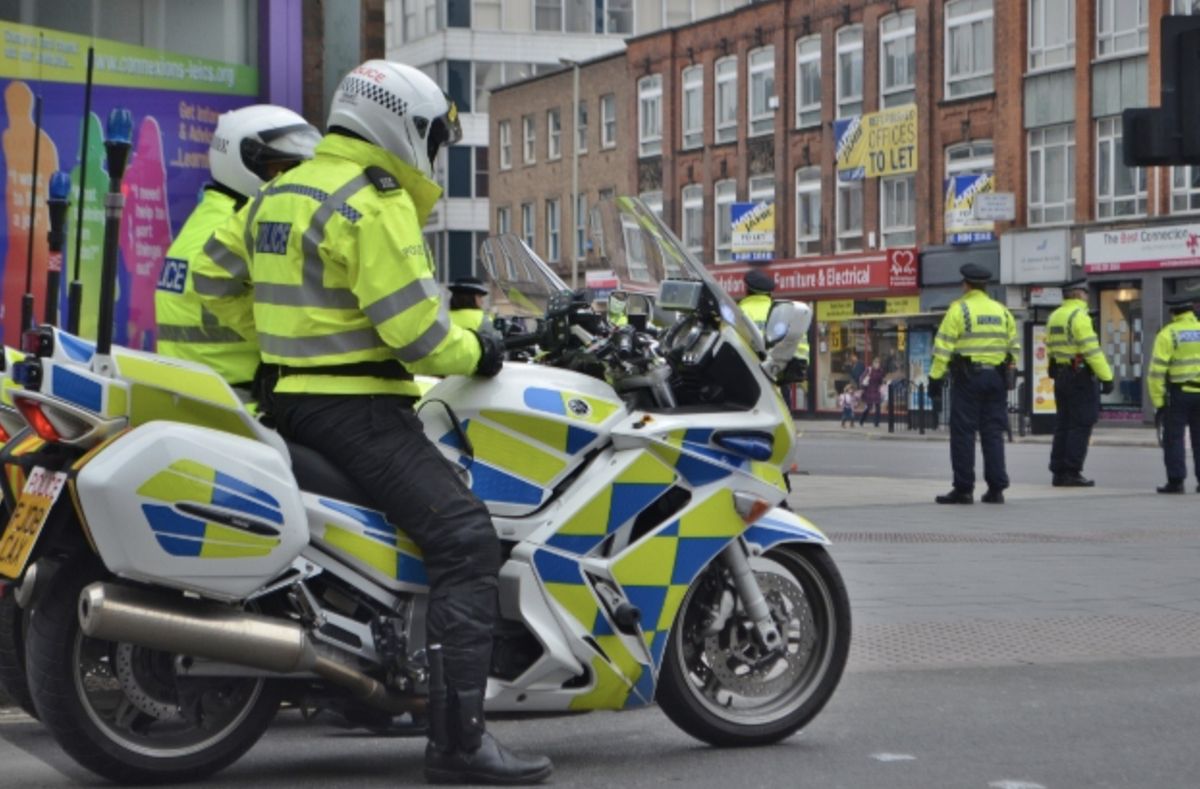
<point>345,302</point>
<point>250,146</point>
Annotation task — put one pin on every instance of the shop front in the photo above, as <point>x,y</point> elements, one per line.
<point>1134,270</point>
<point>862,307</point>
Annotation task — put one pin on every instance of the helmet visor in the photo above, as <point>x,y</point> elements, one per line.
<point>444,130</point>
<point>285,145</point>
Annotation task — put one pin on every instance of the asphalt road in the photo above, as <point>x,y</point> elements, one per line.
<point>1052,642</point>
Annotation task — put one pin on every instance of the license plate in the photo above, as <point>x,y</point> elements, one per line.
<point>33,510</point>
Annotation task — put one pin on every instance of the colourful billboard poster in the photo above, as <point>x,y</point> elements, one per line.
<point>961,224</point>
<point>753,237</point>
<point>175,101</point>
<point>877,144</point>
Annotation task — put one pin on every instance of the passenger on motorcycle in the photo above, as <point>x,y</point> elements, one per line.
<point>250,146</point>
<point>345,303</point>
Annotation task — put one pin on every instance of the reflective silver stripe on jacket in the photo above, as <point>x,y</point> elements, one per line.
<point>365,339</point>
<point>400,300</point>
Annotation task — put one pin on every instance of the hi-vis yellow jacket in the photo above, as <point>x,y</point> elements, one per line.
<point>328,267</point>
<point>186,330</point>
<point>976,327</point>
<point>1069,333</point>
<point>1176,358</point>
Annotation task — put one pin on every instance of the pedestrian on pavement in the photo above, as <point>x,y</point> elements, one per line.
<point>348,341</point>
<point>1174,383</point>
<point>856,368</point>
<point>847,400</point>
<point>1081,374</point>
<point>872,391</point>
<point>976,343</point>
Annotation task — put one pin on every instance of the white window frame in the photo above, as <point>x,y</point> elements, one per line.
<point>1063,135</point>
<point>1113,43</point>
<point>692,219</point>
<point>553,134</point>
<point>725,78</point>
<point>1059,54</point>
<point>693,99</point>
<point>849,238</point>
<point>808,113</point>
<point>980,158</point>
<point>529,138</point>
<point>898,223</point>
<point>724,196</point>
<point>1185,189</point>
<point>504,134</point>
<point>529,224</point>
<point>503,220</point>
<point>581,125</point>
<point>581,216</point>
<point>808,197</point>
<point>553,230</point>
<point>1109,203</point>
<point>849,42</point>
<point>650,96</point>
<point>760,71</point>
<point>653,201</point>
<point>608,120</point>
<point>969,19</point>
<point>900,93</point>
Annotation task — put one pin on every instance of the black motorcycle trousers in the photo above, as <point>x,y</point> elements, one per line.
<point>1076,409</point>
<point>1183,416</point>
<point>978,404</point>
<point>379,443</point>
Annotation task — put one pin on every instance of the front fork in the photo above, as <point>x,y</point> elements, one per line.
<point>737,559</point>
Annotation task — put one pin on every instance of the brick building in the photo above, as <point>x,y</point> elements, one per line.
<point>1015,96</point>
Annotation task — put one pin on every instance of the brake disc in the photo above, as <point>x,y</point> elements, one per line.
<point>142,685</point>
<point>739,663</point>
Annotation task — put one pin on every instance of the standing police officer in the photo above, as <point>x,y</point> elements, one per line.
<point>466,304</point>
<point>334,266</point>
<point>1174,383</point>
<point>757,306</point>
<point>1076,364</point>
<point>250,146</point>
<point>976,342</point>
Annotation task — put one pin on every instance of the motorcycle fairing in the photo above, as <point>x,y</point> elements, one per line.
<point>363,538</point>
<point>780,526</point>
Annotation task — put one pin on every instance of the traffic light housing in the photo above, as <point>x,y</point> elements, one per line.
<point>1169,133</point>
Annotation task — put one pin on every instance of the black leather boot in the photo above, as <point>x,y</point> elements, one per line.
<point>474,756</point>
<point>1172,486</point>
<point>956,496</point>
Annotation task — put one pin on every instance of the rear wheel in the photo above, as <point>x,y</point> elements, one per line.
<point>122,711</point>
<point>721,686</point>
<point>13,680</point>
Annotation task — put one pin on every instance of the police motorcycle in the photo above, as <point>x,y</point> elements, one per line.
<point>207,569</point>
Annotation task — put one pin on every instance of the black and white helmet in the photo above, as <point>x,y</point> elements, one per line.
<point>399,108</point>
<point>249,140</point>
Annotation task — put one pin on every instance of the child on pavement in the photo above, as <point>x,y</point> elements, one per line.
<point>848,399</point>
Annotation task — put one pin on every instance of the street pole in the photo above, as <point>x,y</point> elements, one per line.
<point>574,64</point>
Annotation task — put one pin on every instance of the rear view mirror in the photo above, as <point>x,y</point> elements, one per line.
<point>787,324</point>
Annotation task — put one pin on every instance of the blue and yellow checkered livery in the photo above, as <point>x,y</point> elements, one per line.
<point>375,543</point>
<point>254,519</point>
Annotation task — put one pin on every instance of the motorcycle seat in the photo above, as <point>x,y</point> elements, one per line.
<point>317,474</point>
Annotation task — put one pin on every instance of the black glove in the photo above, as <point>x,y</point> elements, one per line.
<point>1052,368</point>
<point>1106,387</point>
<point>1160,414</point>
<point>491,354</point>
<point>935,388</point>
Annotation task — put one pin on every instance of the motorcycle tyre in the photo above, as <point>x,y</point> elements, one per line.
<point>677,701</point>
<point>50,649</point>
<point>14,682</point>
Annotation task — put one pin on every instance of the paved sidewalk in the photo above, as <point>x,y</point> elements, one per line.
<point>1103,435</point>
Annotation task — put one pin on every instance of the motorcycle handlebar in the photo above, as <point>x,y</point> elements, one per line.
<point>518,341</point>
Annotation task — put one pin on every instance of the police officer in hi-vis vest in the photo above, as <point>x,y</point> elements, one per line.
<point>250,146</point>
<point>466,304</point>
<point>1174,384</point>
<point>1081,374</point>
<point>976,343</point>
<point>333,269</point>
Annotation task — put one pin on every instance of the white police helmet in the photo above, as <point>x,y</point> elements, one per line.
<point>248,140</point>
<point>399,108</point>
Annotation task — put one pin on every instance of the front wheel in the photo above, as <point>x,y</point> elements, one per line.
<point>721,686</point>
<point>122,711</point>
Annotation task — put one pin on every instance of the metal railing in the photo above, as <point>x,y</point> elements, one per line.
<point>937,413</point>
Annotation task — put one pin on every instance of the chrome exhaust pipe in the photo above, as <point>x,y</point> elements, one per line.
<point>203,629</point>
